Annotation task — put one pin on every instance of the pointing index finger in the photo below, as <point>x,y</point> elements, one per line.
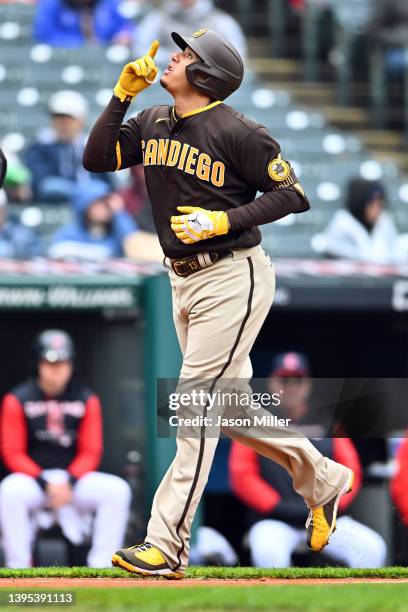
<point>153,48</point>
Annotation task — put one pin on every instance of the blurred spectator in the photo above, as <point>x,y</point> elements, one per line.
<point>51,441</point>
<point>17,184</point>
<point>399,484</point>
<point>56,162</point>
<point>16,240</point>
<point>364,230</point>
<point>137,201</point>
<point>72,23</point>
<point>297,4</point>
<point>185,16</point>
<point>278,514</point>
<point>100,227</point>
<point>389,31</point>
<point>143,244</point>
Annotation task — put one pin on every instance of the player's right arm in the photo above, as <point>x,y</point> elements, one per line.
<point>112,145</point>
<point>13,440</point>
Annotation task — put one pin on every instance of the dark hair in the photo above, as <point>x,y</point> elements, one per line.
<point>360,192</point>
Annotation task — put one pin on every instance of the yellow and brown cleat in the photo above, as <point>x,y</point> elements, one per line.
<point>145,560</point>
<point>321,521</point>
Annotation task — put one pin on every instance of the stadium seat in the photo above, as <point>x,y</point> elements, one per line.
<point>324,157</point>
<point>45,219</point>
<point>294,244</point>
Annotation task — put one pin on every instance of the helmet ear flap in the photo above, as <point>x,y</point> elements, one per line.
<point>201,78</point>
<point>204,82</point>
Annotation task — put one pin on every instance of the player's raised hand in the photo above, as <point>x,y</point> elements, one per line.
<point>198,224</point>
<point>137,75</point>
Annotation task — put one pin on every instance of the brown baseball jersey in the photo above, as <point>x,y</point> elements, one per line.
<point>213,157</point>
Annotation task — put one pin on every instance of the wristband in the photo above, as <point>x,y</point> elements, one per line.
<point>122,95</point>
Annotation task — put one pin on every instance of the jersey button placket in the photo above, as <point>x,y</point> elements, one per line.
<point>174,132</point>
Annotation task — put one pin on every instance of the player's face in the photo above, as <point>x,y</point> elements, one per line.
<point>174,77</point>
<point>54,377</point>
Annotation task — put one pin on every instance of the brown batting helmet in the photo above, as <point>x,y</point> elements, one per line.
<point>220,69</point>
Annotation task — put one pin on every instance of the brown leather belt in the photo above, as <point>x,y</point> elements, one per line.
<point>189,265</point>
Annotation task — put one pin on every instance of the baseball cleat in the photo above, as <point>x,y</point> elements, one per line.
<point>321,522</point>
<point>145,560</point>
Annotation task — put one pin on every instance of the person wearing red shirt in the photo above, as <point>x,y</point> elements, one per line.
<point>277,513</point>
<point>51,442</point>
<point>399,484</point>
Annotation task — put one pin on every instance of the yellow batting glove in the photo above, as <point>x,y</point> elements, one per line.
<point>198,224</point>
<point>137,75</point>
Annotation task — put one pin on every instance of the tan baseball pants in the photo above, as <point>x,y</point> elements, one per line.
<point>218,313</point>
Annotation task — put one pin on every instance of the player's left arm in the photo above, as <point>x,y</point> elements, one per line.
<point>261,164</point>
<point>258,160</point>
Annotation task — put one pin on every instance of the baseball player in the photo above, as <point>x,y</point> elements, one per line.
<point>204,163</point>
<point>51,442</point>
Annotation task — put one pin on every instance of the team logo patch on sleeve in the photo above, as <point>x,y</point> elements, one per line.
<point>278,170</point>
<point>200,32</point>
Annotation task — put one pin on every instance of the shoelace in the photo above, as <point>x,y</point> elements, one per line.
<point>309,520</point>
<point>319,524</point>
<point>142,547</point>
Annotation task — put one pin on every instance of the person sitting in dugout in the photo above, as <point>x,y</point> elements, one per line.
<point>275,512</point>
<point>51,443</point>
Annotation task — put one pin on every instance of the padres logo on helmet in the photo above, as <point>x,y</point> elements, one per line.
<point>200,32</point>
<point>278,169</point>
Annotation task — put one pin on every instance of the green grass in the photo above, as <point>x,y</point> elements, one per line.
<point>217,599</point>
<point>202,597</point>
<point>212,572</point>
<point>258,598</point>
